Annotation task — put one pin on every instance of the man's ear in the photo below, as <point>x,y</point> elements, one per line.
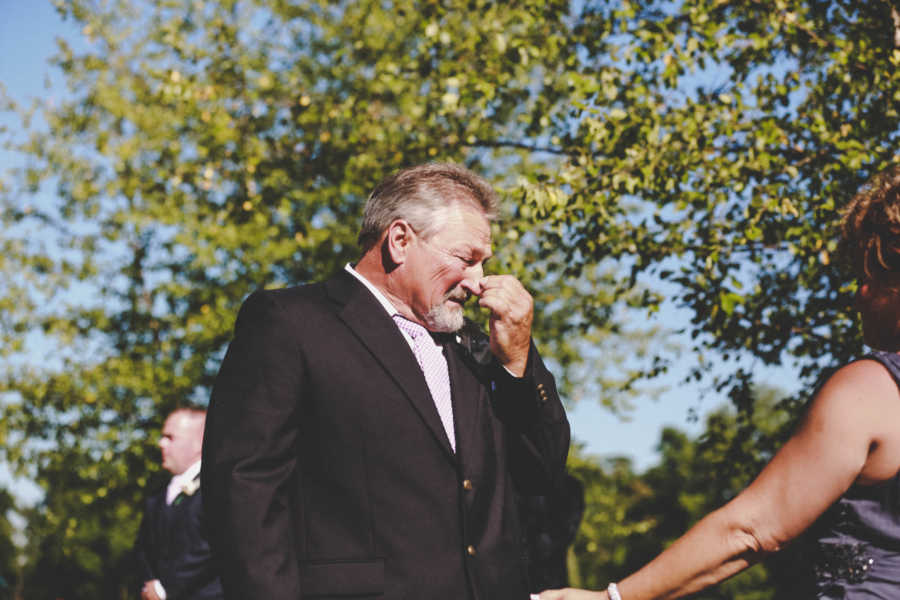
<point>398,240</point>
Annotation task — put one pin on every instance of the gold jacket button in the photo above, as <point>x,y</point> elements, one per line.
<point>467,485</point>
<point>470,550</point>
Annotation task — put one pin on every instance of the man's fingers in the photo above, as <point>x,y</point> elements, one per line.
<point>496,281</point>
<point>497,302</point>
<point>504,302</point>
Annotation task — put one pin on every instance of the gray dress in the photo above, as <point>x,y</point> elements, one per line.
<point>854,547</point>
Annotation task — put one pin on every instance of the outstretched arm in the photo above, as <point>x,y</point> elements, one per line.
<point>847,435</point>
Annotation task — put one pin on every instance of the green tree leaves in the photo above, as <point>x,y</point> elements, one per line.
<point>734,131</point>
<point>652,155</point>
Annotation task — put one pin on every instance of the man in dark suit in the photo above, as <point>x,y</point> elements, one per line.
<point>363,440</point>
<point>173,556</point>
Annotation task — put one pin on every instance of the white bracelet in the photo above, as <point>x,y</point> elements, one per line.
<point>613,591</point>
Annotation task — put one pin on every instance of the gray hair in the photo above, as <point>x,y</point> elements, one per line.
<point>417,194</point>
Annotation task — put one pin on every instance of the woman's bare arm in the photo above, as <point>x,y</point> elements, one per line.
<point>849,433</point>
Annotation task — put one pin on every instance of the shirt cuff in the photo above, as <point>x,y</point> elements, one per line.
<point>160,590</point>
<point>528,365</point>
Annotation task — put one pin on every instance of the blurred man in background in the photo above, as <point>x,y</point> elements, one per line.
<point>174,561</point>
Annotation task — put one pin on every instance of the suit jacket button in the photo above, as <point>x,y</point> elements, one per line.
<point>470,550</point>
<point>467,485</point>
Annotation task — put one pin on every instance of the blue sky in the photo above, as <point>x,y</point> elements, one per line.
<point>27,32</point>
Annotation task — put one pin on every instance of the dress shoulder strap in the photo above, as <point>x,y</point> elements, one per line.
<point>890,360</point>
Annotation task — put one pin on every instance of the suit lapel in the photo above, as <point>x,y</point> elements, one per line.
<point>467,393</point>
<point>369,322</point>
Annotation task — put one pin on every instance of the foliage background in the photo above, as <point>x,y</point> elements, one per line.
<point>652,155</point>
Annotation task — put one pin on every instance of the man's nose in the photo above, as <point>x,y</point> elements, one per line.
<point>478,269</point>
<point>472,282</point>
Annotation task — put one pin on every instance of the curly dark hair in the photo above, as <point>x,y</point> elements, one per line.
<point>871,226</point>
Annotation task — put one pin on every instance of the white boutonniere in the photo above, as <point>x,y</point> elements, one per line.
<point>189,488</point>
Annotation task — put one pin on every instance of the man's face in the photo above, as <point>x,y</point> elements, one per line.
<point>446,268</point>
<point>181,441</point>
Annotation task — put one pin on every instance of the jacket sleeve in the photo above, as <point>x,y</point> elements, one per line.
<point>530,409</point>
<point>143,568</point>
<point>249,456</point>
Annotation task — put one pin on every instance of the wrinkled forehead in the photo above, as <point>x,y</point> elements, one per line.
<point>462,222</point>
<point>450,191</point>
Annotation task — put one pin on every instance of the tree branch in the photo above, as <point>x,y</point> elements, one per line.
<point>511,144</point>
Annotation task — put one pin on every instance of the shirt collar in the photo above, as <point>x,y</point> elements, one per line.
<point>382,299</point>
<point>385,303</point>
<point>190,473</point>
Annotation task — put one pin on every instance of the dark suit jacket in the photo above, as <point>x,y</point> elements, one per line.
<point>327,472</point>
<point>172,547</point>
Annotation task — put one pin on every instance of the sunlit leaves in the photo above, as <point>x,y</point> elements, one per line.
<point>651,154</point>
<point>736,131</point>
<point>203,150</point>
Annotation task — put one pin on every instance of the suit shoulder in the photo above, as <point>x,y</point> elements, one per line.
<point>155,496</point>
<point>310,292</point>
<point>283,302</point>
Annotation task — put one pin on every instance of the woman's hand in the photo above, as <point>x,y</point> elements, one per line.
<point>572,594</point>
